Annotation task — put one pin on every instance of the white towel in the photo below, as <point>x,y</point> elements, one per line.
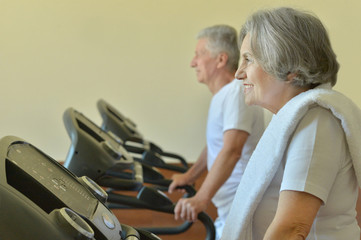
<point>270,150</point>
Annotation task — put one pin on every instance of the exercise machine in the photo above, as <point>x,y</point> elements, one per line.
<point>134,142</point>
<point>40,199</point>
<point>102,157</point>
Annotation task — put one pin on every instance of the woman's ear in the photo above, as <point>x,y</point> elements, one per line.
<point>290,77</point>
<point>222,59</point>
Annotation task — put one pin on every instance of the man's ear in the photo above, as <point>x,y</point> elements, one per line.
<point>222,59</point>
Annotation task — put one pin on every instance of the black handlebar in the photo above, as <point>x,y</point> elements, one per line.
<point>147,198</point>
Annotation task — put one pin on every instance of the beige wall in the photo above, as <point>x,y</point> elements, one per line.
<point>134,54</point>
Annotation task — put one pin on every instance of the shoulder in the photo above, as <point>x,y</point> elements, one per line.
<point>319,123</point>
<point>321,115</point>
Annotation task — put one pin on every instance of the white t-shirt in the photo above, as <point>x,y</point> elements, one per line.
<point>228,111</point>
<point>316,161</point>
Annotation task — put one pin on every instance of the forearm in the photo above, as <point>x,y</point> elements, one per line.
<point>199,167</point>
<point>287,232</point>
<point>222,168</point>
<point>294,217</point>
<point>227,158</point>
<point>218,174</point>
<point>188,208</point>
<point>358,208</point>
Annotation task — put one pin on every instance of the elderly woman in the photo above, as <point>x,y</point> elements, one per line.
<point>303,177</point>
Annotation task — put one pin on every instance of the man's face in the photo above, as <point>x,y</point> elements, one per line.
<point>204,63</point>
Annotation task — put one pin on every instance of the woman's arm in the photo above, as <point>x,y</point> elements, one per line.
<point>358,209</point>
<point>295,214</point>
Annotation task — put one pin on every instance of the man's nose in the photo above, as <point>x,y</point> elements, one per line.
<point>193,63</point>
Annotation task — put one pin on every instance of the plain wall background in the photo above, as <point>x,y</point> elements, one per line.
<point>134,54</point>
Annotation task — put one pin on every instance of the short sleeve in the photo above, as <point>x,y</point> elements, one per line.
<point>315,154</point>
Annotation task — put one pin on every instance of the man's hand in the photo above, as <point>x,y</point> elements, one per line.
<point>178,181</point>
<point>188,208</point>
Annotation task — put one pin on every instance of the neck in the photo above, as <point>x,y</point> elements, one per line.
<point>220,81</point>
<point>289,94</point>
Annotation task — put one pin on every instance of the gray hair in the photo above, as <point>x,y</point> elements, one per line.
<point>222,38</point>
<point>285,40</point>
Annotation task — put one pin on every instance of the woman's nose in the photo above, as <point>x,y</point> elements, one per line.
<point>240,73</point>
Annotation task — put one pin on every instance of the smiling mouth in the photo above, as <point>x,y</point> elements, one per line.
<point>247,88</point>
<point>247,85</point>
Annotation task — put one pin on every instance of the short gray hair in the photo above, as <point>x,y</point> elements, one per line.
<point>285,40</point>
<point>222,38</point>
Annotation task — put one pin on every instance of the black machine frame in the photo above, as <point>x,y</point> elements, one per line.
<point>133,140</point>
<point>40,199</point>
<point>102,156</point>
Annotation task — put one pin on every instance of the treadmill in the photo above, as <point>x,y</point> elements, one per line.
<point>102,156</point>
<point>134,142</point>
<point>40,199</point>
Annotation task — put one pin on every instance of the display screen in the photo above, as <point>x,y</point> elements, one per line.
<point>92,129</point>
<point>37,168</point>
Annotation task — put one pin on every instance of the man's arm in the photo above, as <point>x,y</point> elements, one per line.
<point>295,214</point>
<point>192,174</point>
<point>233,142</point>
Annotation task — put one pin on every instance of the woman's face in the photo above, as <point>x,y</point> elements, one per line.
<point>260,88</point>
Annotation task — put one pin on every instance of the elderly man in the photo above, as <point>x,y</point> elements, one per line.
<point>233,128</point>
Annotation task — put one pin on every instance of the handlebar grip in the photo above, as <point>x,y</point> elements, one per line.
<point>167,208</point>
<point>166,182</point>
<point>180,158</point>
<point>203,217</point>
<point>208,224</point>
